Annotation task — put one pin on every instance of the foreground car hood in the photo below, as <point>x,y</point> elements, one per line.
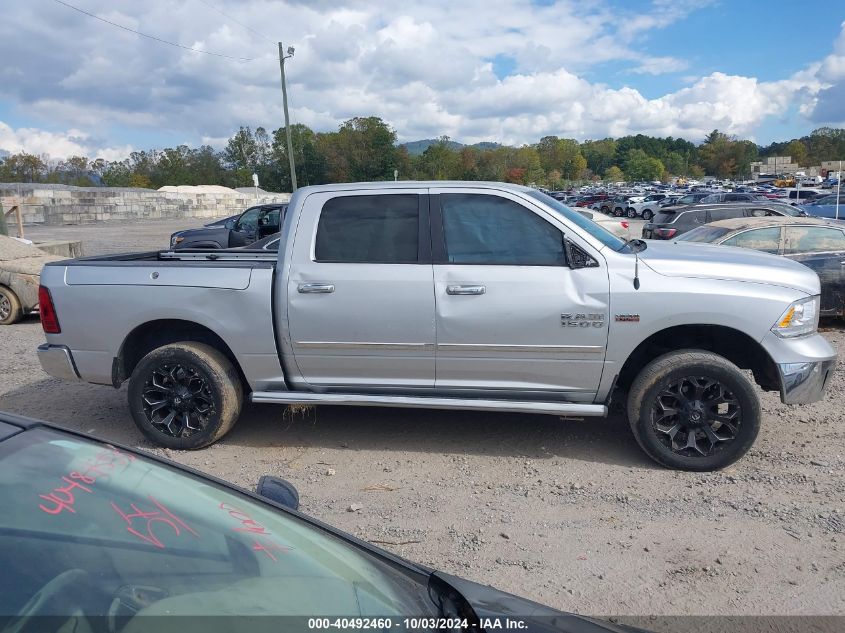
<point>493,606</point>
<point>708,261</point>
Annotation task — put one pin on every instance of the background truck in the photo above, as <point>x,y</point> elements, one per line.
<point>482,296</point>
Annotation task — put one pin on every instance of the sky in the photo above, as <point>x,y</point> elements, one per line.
<point>510,71</point>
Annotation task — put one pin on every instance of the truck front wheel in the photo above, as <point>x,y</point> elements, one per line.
<point>693,410</point>
<point>185,395</point>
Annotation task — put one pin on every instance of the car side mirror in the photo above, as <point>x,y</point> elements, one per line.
<point>576,257</point>
<point>230,224</point>
<point>279,491</point>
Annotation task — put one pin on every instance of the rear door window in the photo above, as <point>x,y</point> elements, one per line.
<point>375,229</point>
<point>665,218</point>
<point>813,239</point>
<point>725,214</point>
<point>766,240</point>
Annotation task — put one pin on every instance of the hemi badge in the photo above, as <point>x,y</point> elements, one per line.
<point>628,317</point>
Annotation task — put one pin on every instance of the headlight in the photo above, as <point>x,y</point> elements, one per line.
<point>801,318</point>
<point>176,239</point>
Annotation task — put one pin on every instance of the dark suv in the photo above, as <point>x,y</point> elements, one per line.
<point>670,223</point>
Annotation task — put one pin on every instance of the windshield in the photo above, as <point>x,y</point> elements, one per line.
<point>600,233</point>
<point>704,234</point>
<point>161,541</point>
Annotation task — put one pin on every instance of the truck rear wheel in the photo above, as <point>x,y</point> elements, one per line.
<point>10,306</point>
<point>185,395</point>
<point>693,410</point>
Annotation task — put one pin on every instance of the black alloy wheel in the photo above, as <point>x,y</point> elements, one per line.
<point>694,410</point>
<point>696,416</point>
<point>185,395</point>
<point>177,400</point>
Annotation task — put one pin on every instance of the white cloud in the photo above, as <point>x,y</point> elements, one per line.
<point>422,67</point>
<point>55,145</point>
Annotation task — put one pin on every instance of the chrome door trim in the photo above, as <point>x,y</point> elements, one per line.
<point>340,345</point>
<point>541,349</point>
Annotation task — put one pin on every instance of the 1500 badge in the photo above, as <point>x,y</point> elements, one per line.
<point>582,320</point>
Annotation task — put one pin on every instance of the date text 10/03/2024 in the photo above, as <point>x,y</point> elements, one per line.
<point>415,623</point>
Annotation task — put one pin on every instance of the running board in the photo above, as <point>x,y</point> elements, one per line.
<point>473,404</point>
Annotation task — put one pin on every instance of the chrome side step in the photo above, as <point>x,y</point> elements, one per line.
<point>473,404</point>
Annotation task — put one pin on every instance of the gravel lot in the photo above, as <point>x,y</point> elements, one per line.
<point>569,513</point>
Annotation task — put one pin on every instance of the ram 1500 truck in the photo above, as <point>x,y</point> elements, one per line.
<point>445,295</point>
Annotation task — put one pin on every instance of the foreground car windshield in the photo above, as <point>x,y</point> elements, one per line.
<point>703,234</point>
<point>100,531</point>
<point>599,232</point>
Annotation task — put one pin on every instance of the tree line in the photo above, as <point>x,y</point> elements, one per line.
<point>366,149</point>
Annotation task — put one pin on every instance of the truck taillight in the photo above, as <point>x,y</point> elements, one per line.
<point>49,318</point>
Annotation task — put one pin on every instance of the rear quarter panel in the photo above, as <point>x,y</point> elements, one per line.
<point>98,306</point>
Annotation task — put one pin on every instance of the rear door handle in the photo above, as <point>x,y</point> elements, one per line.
<point>465,290</point>
<point>316,288</point>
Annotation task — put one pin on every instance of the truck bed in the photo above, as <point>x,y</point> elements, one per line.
<point>209,255</point>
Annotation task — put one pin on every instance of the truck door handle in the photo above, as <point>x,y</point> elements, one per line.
<point>465,290</point>
<point>316,288</point>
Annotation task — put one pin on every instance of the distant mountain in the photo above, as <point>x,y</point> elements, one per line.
<point>415,148</point>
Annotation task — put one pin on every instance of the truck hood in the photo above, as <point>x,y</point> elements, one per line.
<point>708,261</point>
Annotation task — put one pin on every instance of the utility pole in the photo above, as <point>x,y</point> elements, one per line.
<point>838,187</point>
<point>282,58</point>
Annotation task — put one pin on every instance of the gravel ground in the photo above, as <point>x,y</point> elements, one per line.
<point>569,513</point>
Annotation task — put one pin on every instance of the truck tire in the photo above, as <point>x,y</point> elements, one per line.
<point>185,395</point>
<point>10,306</point>
<point>693,410</point>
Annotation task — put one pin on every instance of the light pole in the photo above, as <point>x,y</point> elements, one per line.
<point>282,58</point>
<point>838,187</point>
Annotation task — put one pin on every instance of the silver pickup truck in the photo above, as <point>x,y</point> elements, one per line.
<point>445,295</point>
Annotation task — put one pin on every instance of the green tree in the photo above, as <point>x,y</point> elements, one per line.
<point>600,155</point>
<point>117,174</point>
<point>439,161</point>
<point>23,167</point>
<point>641,166</point>
<point>561,154</point>
<point>363,149</point>
<point>798,151</point>
<point>613,174</point>
<point>719,154</point>
<point>241,156</point>
<point>308,158</point>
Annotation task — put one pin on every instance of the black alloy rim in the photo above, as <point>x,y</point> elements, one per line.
<point>696,416</point>
<point>177,400</point>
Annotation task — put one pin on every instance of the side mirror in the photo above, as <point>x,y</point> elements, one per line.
<point>576,257</point>
<point>230,224</point>
<point>278,490</point>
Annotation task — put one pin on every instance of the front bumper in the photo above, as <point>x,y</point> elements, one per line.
<point>803,383</point>
<point>804,364</point>
<point>57,361</point>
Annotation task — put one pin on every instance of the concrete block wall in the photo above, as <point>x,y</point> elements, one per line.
<point>53,205</point>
